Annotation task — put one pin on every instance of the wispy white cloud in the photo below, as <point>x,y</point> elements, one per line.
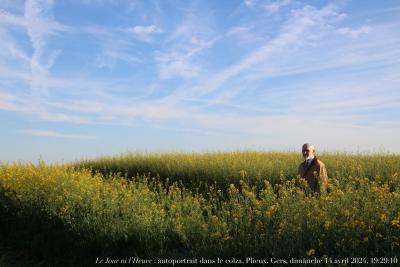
<point>40,25</point>
<point>88,112</point>
<point>110,57</point>
<point>354,33</point>
<point>185,46</point>
<point>348,99</point>
<point>250,3</point>
<point>145,29</point>
<point>45,133</point>
<point>144,33</point>
<point>6,17</point>
<point>238,30</point>
<point>175,64</point>
<point>271,7</point>
<point>274,7</point>
<point>14,61</point>
<point>24,104</point>
<point>6,101</point>
<point>36,13</point>
<point>10,52</point>
<point>345,54</point>
<point>301,26</point>
<point>48,115</point>
<point>123,111</point>
<point>116,45</point>
<point>246,35</point>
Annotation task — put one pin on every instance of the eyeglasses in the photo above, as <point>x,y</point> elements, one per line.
<point>306,150</point>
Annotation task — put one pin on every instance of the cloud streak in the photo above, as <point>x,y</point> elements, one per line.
<point>145,29</point>
<point>296,31</point>
<point>45,133</point>
<point>37,15</point>
<point>274,7</point>
<point>354,33</point>
<point>144,33</point>
<point>186,44</point>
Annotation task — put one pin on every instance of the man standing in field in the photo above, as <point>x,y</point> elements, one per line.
<point>313,170</point>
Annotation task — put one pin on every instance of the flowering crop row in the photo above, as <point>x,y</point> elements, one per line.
<point>224,168</point>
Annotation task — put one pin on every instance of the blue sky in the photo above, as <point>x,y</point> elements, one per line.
<point>99,77</point>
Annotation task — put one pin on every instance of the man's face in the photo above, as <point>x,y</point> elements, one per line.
<point>308,151</point>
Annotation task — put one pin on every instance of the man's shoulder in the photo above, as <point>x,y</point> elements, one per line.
<point>319,162</point>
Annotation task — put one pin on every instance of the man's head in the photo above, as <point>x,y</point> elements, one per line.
<point>308,150</point>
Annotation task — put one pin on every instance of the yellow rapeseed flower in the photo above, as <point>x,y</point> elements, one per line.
<point>396,223</point>
<point>311,252</point>
<point>327,224</point>
<point>383,217</point>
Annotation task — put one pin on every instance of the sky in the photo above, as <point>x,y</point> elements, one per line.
<point>88,78</point>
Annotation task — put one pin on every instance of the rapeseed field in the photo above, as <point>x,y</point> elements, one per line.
<point>193,205</point>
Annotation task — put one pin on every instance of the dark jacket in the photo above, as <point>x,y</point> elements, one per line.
<point>315,174</point>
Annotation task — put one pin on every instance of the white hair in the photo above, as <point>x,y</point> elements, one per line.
<point>309,145</point>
